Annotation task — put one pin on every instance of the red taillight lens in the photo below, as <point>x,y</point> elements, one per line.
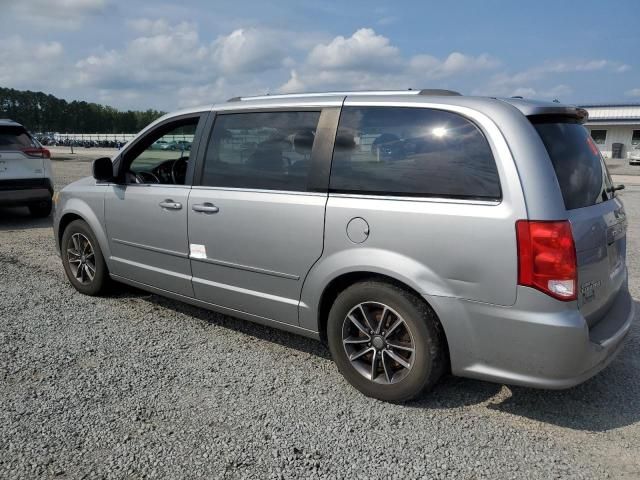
<point>37,152</point>
<point>547,258</point>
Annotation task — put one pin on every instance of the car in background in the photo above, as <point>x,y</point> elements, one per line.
<point>183,145</point>
<point>25,170</point>
<point>164,145</point>
<point>634,156</point>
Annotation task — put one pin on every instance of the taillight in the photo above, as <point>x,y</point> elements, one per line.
<point>547,258</point>
<point>37,152</point>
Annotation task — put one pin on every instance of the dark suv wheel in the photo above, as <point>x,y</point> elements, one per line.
<point>82,259</point>
<point>41,209</point>
<point>386,341</point>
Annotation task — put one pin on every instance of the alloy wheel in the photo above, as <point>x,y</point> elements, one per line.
<point>81,258</point>
<point>378,342</point>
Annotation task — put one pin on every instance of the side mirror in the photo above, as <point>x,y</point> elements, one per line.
<point>102,169</point>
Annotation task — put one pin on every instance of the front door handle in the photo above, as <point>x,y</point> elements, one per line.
<point>170,204</point>
<point>205,208</point>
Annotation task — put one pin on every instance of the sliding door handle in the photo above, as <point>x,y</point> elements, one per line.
<point>205,208</point>
<point>170,204</point>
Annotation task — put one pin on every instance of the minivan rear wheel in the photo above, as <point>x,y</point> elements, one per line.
<point>82,259</point>
<point>386,341</point>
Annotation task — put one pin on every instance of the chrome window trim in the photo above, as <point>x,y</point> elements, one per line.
<point>260,190</point>
<point>416,198</point>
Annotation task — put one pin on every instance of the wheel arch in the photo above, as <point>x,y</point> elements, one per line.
<point>345,280</point>
<point>77,210</point>
<point>65,220</point>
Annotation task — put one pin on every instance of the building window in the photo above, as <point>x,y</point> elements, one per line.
<point>635,137</point>
<point>599,136</point>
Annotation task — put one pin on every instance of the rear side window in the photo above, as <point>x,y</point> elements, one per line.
<point>579,166</point>
<point>15,138</point>
<point>412,151</point>
<point>264,150</point>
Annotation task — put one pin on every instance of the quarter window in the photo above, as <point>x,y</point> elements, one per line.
<point>264,150</point>
<point>635,137</point>
<point>412,151</point>
<point>599,136</point>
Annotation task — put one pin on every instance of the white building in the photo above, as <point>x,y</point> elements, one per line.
<point>614,123</point>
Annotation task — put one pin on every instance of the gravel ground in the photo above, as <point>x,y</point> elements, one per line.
<point>134,385</point>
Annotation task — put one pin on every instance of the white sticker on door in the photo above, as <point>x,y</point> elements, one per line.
<point>197,250</point>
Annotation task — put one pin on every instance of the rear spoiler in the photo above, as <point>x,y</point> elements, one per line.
<point>544,110</point>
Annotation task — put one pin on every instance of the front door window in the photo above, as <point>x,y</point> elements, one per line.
<point>163,155</point>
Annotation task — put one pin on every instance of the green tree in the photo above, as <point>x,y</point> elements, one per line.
<point>41,112</point>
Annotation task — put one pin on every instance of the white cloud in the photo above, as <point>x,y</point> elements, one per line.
<point>165,56</point>
<point>163,64</point>
<point>35,70</point>
<point>363,50</point>
<point>249,50</point>
<point>147,26</point>
<point>456,63</point>
<point>534,81</point>
<point>172,62</point>
<point>504,82</point>
<point>552,93</point>
<point>56,13</point>
<point>634,92</point>
<point>369,60</point>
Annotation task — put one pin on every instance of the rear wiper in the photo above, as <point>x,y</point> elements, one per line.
<point>615,188</point>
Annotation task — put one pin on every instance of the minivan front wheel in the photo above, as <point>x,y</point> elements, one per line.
<point>386,341</point>
<point>82,259</point>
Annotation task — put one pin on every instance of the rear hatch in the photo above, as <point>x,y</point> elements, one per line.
<point>597,216</point>
<point>21,156</point>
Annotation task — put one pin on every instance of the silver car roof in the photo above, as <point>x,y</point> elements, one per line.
<point>383,97</point>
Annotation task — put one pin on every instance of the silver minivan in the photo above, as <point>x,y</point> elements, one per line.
<point>415,232</point>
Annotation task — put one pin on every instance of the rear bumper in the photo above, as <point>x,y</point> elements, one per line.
<point>14,193</point>
<point>533,344</point>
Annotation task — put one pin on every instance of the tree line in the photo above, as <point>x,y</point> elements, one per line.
<point>40,112</point>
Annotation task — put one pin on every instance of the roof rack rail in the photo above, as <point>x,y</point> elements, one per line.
<point>435,92</point>
<point>440,92</point>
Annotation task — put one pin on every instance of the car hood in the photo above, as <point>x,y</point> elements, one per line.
<point>83,182</point>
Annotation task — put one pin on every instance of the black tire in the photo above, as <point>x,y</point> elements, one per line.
<point>41,209</point>
<point>100,281</point>
<point>429,357</point>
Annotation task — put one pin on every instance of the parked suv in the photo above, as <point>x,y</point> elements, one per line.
<point>25,170</point>
<point>415,232</point>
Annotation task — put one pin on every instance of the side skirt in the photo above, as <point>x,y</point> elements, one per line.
<point>220,309</point>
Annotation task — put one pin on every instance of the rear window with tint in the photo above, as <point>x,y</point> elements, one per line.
<point>15,138</point>
<point>412,152</point>
<point>579,166</point>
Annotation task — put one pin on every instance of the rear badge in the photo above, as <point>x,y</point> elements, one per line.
<point>197,250</point>
<point>588,290</point>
